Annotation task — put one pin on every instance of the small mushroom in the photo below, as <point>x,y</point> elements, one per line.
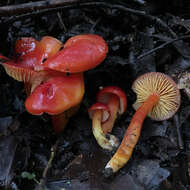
<point>116,100</point>
<point>100,113</point>
<point>159,98</point>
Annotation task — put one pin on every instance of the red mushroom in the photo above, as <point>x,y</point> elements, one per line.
<point>55,96</point>
<point>100,113</point>
<point>116,100</point>
<point>157,96</point>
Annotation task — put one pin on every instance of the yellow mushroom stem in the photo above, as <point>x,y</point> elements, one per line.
<point>108,143</point>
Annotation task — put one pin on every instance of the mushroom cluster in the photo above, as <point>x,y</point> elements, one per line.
<point>53,78</point>
<point>111,102</point>
<point>52,74</point>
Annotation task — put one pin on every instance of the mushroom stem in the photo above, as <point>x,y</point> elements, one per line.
<point>131,137</point>
<point>113,105</point>
<point>60,121</point>
<point>99,134</point>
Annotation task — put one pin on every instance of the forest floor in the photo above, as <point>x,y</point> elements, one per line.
<point>143,36</point>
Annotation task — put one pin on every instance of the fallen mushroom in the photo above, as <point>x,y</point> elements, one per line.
<point>112,99</point>
<point>157,96</point>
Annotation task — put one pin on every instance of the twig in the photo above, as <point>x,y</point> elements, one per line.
<point>34,6</point>
<point>48,166</point>
<point>177,125</point>
<point>62,25</point>
<point>161,46</point>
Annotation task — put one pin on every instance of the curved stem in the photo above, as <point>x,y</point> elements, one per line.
<point>132,134</point>
<point>113,105</point>
<point>99,134</point>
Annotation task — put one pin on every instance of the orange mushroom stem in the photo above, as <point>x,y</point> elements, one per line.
<point>157,96</point>
<point>100,113</point>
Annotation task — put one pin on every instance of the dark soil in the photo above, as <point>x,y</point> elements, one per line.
<point>161,160</point>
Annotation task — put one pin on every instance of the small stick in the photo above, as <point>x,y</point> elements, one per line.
<point>33,6</point>
<point>48,166</point>
<point>62,25</point>
<point>177,125</point>
<point>162,46</point>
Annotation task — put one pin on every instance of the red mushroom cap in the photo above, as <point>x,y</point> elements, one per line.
<point>28,53</point>
<point>80,53</point>
<point>100,106</point>
<point>31,53</point>
<point>50,45</point>
<point>56,95</point>
<point>25,45</point>
<point>104,94</point>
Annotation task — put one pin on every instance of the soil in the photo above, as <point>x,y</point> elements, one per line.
<point>143,36</point>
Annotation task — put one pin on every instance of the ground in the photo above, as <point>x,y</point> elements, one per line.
<point>143,36</point>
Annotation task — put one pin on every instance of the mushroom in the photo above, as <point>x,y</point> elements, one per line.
<point>55,96</point>
<point>159,98</point>
<point>112,99</point>
<point>116,100</point>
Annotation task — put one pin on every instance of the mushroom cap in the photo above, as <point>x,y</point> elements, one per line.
<point>56,95</point>
<point>47,47</point>
<point>27,53</point>
<point>80,53</point>
<point>104,94</point>
<point>25,45</point>
<point>100,106</point>
<point>162,85</point>
<point>31,53</point>
<point>50,45</point>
